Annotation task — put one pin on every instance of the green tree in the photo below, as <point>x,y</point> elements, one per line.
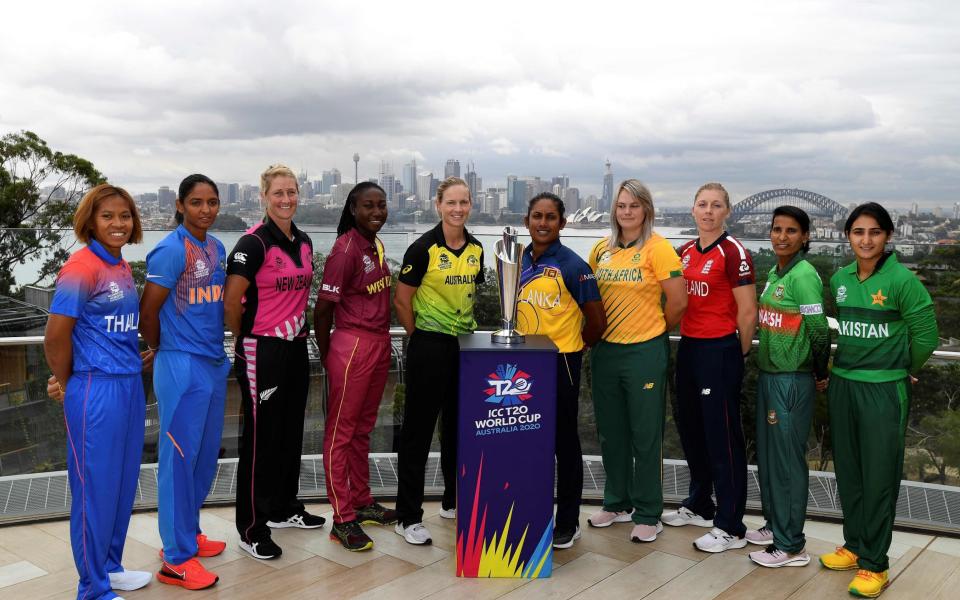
<point>39,189</point>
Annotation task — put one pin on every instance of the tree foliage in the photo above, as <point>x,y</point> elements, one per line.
<point>39,189</point>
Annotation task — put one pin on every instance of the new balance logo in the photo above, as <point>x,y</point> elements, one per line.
<point>265,394</point>
<point>705,392</point>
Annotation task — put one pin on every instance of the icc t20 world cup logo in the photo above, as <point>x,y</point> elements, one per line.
<point>509,386</point>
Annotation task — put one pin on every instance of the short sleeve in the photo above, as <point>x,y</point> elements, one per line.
<point>739,266</point>
<point>580,281</point>
<point>165,264</point>
<point>335,271</point>
<point>664,261</point>
<point>74,287</point>
<point>481,276</point>
<point>246,258</point>
<point>415,262</point>
<point>808,293</point>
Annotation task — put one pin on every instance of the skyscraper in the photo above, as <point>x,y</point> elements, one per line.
<point>330,178</point>
<point>409,178</point>
<point>474,182</point>
<point>166,197</point>
<point>424,186</point>
<point>606,198</point>
<point>452,168</point>
<point>388,183</point>
<point>520,196</point>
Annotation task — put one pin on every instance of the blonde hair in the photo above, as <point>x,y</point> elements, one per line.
<point>86,213</point>
<point>717,187</point>
<point>274,171</point>
<point>635,188</point>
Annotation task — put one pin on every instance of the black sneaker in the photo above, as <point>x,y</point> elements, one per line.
<point>564,538</point>
<point>376,514</point>
<point>351,536</point>
<point>264,549</point>
<point>301,520</point>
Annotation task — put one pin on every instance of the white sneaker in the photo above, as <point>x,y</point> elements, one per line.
<point>128,581</point>
<point>448,513</point>
<point>684,516</point>
<point>416,534</point>
<point>718,540</point>
<point>606,518</point>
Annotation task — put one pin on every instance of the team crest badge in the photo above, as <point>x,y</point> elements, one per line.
<point>472,261</point>
<point>778,293</point>
<point>605,257</point>
<point>772,417</point>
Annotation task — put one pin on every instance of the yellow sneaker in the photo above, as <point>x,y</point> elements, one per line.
<point>868,584</point>
<point>839,560</point>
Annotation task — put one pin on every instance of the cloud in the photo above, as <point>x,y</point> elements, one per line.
<point>857,100</point>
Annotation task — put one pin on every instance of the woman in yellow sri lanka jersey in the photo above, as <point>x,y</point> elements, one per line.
<point>559,298</point>
<point>633,266</point>
<point>434,302</point>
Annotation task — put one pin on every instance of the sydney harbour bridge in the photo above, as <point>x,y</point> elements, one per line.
<point>763,203</point>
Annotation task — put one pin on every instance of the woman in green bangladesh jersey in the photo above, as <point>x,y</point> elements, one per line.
<point>888,330</point>
<point>794,349</point>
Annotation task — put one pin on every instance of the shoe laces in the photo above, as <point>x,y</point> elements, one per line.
<point>764,530</point>
<point>868,575</point>
<point>842,551</point>
<point>774,551</point>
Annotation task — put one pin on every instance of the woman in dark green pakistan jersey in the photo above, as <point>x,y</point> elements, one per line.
<point>888,330</point>
<point>794,351</point>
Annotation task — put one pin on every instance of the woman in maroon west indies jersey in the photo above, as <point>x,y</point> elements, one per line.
<point>265,302</point>
<point>355,293</point>
<point>716,335</point>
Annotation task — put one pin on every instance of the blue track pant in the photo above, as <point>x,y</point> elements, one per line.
<point>104,420</point>
<point>190,392</point>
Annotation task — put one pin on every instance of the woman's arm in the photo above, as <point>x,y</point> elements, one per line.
<point>676,292</point>
<point>233,302</point>
<point>403,302</point>
<point>322,321</point>
<point>746,297</point>
<point>153,298</point>
<point>596,322</point>
<point>58,349</point>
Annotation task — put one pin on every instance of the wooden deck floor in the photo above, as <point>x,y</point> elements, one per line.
<point>35,562</point>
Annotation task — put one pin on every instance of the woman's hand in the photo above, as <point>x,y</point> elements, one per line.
<point>55,390</point>
<point>146,358</point>
<point>822,384</point>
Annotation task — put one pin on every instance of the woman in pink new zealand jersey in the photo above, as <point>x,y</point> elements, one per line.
<point>269,273</point>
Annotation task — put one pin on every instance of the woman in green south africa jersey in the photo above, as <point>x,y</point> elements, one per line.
<point>434,301</point>
<point>794,351</point>
<point>888,330</point>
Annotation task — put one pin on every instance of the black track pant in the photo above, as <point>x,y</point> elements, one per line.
<point>432,379</point>
<point>569,454</point>
<point>273,375</point>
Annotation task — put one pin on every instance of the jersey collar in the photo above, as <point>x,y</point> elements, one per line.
<point>889,258</point>
<point>722,237</point>
<point>551,250</point>
<point>442,242</point>
<point>186,233</point>
<point>102,253</point>
<point>793,262</point>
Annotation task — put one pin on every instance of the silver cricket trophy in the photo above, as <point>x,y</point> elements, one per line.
<point>509,260</point>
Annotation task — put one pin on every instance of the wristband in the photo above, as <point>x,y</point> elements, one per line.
<point>151,349</point>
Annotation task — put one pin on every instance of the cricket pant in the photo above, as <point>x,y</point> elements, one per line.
<point>629,395</point>
<point>867,426</point>
<point>357,365</point>
<point>273,375</point>
<point>568,451</point>
<point>191,391</point>
<point>104,420</point>
<point>709,373</point>
<point>784,414</point>
<point>432,382</point>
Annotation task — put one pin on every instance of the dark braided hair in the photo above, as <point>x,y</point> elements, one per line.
<point>347,220</point>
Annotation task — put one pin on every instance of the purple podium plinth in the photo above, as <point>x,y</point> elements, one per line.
<point>507,428</point>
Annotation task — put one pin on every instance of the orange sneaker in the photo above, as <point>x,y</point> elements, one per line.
<point>207,547</point>
<point>839,560</point>
<point>868,584</point>
<point>190,575</point>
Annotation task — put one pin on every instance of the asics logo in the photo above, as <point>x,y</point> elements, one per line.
<point>171,571</point>
<point>265,394</point>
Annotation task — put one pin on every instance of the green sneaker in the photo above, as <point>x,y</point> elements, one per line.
<point>351,536</point>
<point>376,514</point>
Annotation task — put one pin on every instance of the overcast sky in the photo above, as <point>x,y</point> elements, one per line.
<point>854,100</point>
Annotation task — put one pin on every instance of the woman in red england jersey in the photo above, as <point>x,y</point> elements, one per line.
<point>716,336</point>
<point>269,273</point>
<point>355,294</point>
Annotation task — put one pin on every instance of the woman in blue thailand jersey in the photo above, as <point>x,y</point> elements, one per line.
<point>182,318</point>
<point>91,344</point>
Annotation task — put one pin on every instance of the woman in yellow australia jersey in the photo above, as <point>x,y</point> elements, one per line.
<point>634,267</point>
<point>559,298</point>
<point>434,302</point>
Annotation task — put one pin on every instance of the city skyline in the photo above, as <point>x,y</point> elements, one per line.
<point>856,101</point>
